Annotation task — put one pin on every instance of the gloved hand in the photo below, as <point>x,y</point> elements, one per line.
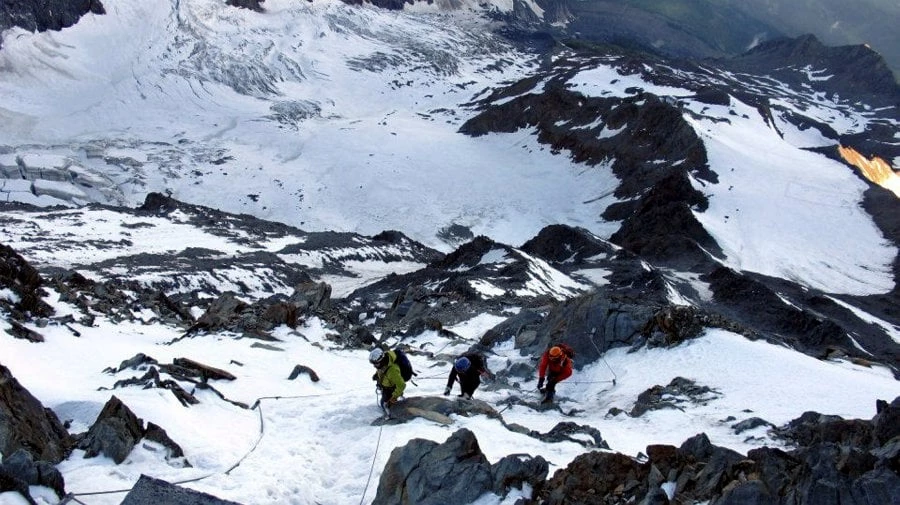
<point>446,391</point>
<point>541,384</point>
<point>375,376</point>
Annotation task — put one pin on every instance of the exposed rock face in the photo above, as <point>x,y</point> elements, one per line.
<point>42,15</point>
<point>562,244</point>
<point>384,4</point>
<point>26,424</point>
<point>424,472</point>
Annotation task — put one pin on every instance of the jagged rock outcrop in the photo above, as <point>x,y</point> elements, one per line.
<point>594,323</point>
<point>424,472</point>
<point>228,312</point>
<point>179,371</point>
<point>17,275</point>
<point>836,462</point>
<point>677,392</point>
<point>255,5</point>
<point>118,430</point>
<point>26,424</point>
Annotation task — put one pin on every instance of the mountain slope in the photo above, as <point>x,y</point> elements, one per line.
<point>215,213</point>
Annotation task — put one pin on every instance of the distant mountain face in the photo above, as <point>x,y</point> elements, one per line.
<point>681,28</point>
<point>705,28</point>
<point>835,22</point>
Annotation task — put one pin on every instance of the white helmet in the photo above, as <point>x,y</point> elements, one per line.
<point>377,356</point>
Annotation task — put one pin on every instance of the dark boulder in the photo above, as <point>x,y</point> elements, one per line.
<point>886,423</point>
<point>222,312</point>
<point>117,430</point>
<point>151,491</point>
<point>303,369</point>
<point>592,324</point>
<point>752,492</point>
<point>114,434</point>
<point>20,468</point>
<point>312,297</point>
<point>517,469</point>
<point>424,472</point>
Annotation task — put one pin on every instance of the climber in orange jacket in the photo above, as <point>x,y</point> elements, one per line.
<point>555,366</point>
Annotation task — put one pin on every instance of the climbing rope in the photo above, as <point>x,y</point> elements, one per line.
<point>257,405</point>
<point>372,468</point>
<point>591,334</point>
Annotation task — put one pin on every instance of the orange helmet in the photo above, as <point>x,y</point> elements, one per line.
<point>555,353</point>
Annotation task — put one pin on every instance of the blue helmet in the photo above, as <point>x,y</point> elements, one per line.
<point>462,364</point>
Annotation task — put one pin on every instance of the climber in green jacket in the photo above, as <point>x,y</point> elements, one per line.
<point>387,377</point>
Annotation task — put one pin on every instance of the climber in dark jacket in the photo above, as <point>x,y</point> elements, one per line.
<point>468,369</point>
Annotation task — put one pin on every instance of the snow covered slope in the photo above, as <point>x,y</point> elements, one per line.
<point>689,227</point>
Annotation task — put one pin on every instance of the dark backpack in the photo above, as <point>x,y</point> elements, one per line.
<point>406,369</point>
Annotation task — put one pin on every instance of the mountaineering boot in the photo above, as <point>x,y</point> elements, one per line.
<point>548,396</point>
